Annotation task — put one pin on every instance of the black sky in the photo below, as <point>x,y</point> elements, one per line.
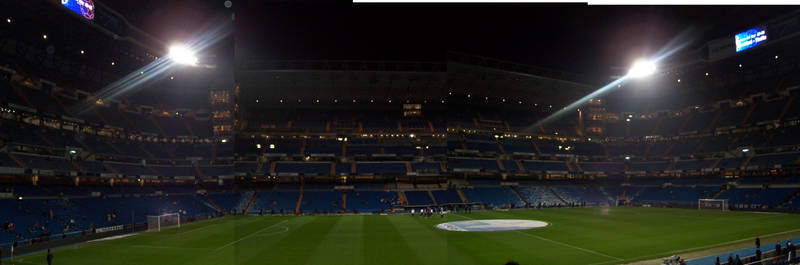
<point>304,31</point>
<point>574,38</point>
<point>590,39</point>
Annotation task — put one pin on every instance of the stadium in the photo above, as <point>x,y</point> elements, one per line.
<point>227,132</point>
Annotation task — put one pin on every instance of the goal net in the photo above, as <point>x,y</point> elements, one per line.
<point>164,221</point>
<point>718,204</point>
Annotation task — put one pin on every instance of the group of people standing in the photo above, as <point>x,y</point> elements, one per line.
<point>781,254</point>
<point>429,211</point>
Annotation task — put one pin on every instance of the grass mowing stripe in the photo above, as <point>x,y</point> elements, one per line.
<point>344,242</point>
<point>289,248</point>
<point>257,249</point>
<point>386,245</point>
<point>426,244</point>
<point>250,235</point>
<point>560,243</point>
<point>457,254</point>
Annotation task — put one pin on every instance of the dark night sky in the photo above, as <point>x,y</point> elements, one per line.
<point>569,37</point>
<point>339,31</point>
<point>574,38</point>
<point>589,39</point>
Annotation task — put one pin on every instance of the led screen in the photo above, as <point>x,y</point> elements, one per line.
<point>84,8</point>
<point>750,38</point>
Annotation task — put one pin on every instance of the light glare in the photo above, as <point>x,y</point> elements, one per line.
<point>642,68</point>
<point>182,55</point>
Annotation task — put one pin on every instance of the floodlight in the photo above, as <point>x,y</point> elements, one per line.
<point>182,55</point>
<point>642,68</point>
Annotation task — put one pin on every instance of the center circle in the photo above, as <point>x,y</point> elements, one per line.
<point>491,225</point>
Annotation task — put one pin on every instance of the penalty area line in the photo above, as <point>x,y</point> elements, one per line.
<point>561,243</point>
<point>168,247</point>
<point>250,235</point>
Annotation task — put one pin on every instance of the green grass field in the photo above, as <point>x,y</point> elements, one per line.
<point>574,236</point>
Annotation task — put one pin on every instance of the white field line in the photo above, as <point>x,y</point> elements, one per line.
<point>250,235</point>
<point>22,261</point>
<point>196,229</point>
<point>168,247</point>
<point>571,246</point>
<point>283,229</point>
<point>112,237</point>
<point>560,243</point>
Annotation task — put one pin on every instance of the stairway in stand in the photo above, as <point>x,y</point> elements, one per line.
<point>516,193</point>
<point>250,204</point>
<point>299,198</point>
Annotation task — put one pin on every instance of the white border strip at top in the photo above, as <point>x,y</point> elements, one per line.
<point>602,2</point>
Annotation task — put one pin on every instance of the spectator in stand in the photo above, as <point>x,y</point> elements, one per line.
<point>777,251</point>
<point>790,248</point>
<point>730,259</point>
<point>717,262</point>
<point>758,243</point>
<point>758,254</point>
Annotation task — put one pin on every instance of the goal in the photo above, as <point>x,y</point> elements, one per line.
<point>164,221</point>
<point>719,204</point>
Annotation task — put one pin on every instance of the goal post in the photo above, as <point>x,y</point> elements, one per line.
<point>164,221</point>
<point>720,204</point>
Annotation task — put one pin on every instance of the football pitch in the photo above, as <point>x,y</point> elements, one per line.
<point>573,236</point>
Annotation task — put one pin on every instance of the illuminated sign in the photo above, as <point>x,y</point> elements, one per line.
<point>750,38</point>
<point>84,8</point>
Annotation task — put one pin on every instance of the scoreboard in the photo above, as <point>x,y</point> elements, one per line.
<point>750,38</point>
<point>85,8</point>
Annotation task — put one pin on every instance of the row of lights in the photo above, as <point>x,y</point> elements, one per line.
<point>271,146</point>
<point>44,36</point>
<point>82,52</point>
<point>503,100</point>
<point>740,66</point>
<point>345,139</point>
<point>337,100</point>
